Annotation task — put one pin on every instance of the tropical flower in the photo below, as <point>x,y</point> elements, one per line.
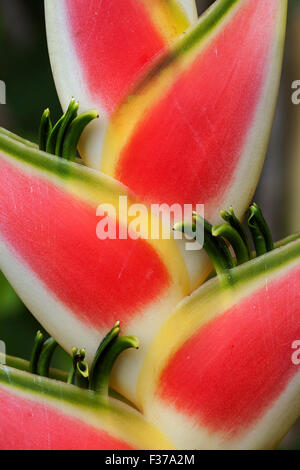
<point>183,118</point>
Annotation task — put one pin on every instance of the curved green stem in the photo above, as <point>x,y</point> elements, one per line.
<point>107,340</point>
<point>43,364</point>
<point>70,114</point>
<point>231,218</point>
<point>257,236</point>
<point>263,226</point>
<point>102,370</point>
<point>36,352</point>
<point>45,129</point>
<point>234,238</point>
<point>80,370</point>
<point>216,248</point>
<point>71,374</point>
<point>82,374</point>
<point>222,248</point>
<point>218,242</point>
<point>51,142</point>
<point>75,130</point>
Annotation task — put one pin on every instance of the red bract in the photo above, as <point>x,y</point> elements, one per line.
<point>76,284</point>
<point>220,374</point>
<point>98,49</point>
<point>194,128</point>
<point>42,414</point>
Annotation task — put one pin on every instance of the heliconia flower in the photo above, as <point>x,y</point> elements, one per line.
<point>75,283</point>
<point>99,48</point>
<point>38,413</point>
<point>224,371</point>
<point>195,128</point>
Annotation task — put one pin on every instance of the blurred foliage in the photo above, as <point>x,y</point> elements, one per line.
<point>25,66</point>
<point>25,69</point>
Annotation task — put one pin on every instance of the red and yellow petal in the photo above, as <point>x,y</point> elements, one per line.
<point>224,375</point>
<point>76,284</point>
<point>196,128</point>
<point>98,49</point>
<point>42,414</point>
